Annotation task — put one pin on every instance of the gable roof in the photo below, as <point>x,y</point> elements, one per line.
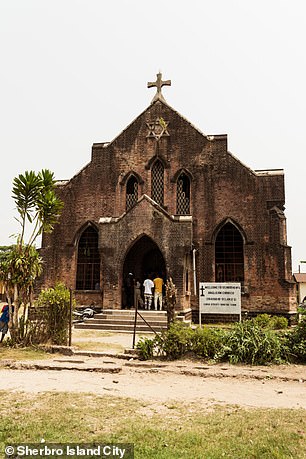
<point>300,277</point>
<point>158,101</point>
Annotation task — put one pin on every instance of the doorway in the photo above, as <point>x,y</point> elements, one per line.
<point>142,260</point>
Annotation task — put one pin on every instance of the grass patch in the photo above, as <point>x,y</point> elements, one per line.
<point>83,333</point>
<point>26,353</point>
<point>96,346</point>
<point>170,430</point>
<point>90,340</point>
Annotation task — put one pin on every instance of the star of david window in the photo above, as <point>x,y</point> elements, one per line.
<point>131,192</point>
<point>183,195</point>
<point>158,128</point>
<point>157,182</point>
<point>88,261</point>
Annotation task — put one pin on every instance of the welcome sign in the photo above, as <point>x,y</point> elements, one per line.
<point>220,297</point>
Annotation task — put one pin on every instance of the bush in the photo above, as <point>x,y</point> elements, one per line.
<point>251,344</point>
<point>246,342</point>
<point>180,340</point>
<point>262,320</point>
<point>207,342</point>
<point>175,342</point>
<point>297,341</point>
<point>270,322</point>
<point>278,323</point>
<point>145,348</point>
<point>56,315</point>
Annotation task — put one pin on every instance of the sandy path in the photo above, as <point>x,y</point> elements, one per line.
<point>160,387</point>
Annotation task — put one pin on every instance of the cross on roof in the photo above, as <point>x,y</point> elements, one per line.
<point>159,83</point>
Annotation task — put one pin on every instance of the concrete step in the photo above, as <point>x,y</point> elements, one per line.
<point>125,321</point>
<point>131,316</point>
<point>131,313</point>
<point>118,327</point>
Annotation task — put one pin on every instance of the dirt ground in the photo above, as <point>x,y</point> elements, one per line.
<point>157,386</point>
<point>158,382</point>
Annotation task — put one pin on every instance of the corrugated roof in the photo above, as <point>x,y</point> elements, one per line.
<point>300,277</point>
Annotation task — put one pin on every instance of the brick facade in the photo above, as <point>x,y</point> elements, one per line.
<point>222,191</point>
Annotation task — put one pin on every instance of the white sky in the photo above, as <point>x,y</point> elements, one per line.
<point>75,72</point>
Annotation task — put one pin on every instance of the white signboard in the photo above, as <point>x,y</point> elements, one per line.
<point>220,297</point>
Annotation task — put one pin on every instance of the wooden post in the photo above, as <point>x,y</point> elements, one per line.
<point>135,319</point>
<point>70,317</point>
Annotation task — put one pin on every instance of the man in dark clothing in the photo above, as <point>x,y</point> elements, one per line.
<point>129,289</point>
<point>4,320</point>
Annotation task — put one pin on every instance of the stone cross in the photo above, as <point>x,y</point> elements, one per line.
<point>159,83</point>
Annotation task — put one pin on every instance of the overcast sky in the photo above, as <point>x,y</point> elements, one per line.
<point>75,72</point>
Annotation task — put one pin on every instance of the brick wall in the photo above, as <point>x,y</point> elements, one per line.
<point>222,189</point>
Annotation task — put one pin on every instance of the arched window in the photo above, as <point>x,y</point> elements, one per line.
<point>183,195</point>
<point>88,261</point>
<point>229,258</point>
<point>157,182</point>
<point>131,192</point>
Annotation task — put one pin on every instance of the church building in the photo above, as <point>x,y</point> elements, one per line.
<point>163,197</point>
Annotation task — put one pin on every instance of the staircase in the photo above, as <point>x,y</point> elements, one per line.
<point>123,321</point>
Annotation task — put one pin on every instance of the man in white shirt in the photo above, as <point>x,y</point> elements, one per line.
<point>148,295</point>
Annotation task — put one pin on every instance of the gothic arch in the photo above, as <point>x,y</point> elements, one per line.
<point>88,259</point>
<point>142,258</point>
<point>233,222</point>
<point>229,253</point>
<point>135,240</point>
<point>131,192</point>
<point>183,194</point>
<point>155,158</point>
<point>127,176</point>
<point>82,228</point>
<point>183,170</point>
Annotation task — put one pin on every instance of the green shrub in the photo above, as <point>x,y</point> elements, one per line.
<point>249,343</point>
<point>270,322</point>
<point>207,342</point>
<point>262,320</point>
<point>145,347</point>
<point>246,342</point>
<point>278,323</point>
<point>175,342</point>
<point>56,302</point>
<point>297,341</point>
<point>302,310</point>
<point>180,340</point>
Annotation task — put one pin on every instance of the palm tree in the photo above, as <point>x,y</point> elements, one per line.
<point>39,207</point>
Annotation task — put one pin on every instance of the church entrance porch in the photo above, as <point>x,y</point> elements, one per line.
<point>144,259</point>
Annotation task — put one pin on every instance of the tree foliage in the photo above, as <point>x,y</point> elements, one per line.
<point>20,264</point>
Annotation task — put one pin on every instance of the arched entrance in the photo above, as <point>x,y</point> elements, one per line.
<point>143,259</point>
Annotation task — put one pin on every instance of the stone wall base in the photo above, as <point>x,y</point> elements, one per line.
<point>88,298</point>
<point>228,318</point>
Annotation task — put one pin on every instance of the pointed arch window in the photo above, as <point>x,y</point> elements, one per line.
<point>183,195</point>
<point>229,258</point>
<point>88,260</point>
<point>131,192</point>
<point>157,182</point>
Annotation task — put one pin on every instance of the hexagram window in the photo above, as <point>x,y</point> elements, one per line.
<point>88,261</point>
<point>229,258</point>
<point>131,192</point>
<point>183,195</point>
<point>157,182</point>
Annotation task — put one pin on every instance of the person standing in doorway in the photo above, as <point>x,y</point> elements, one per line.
<point>158,292</point>
<point>129,291</point>
<point>148,295</point>
<point>138,298</point>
